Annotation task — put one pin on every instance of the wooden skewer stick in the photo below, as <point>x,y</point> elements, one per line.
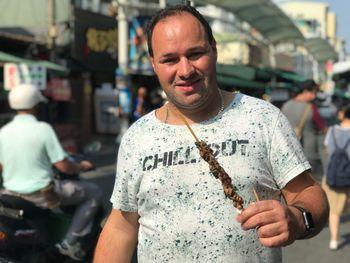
<point>188,126</point>
<point>256,195</point>
<point>219,173</point>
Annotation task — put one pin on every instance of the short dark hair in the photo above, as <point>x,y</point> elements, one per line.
<point>308,85</point>
<point>175,10</point>
<point>346,110</point>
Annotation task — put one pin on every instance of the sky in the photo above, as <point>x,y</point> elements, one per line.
<point>341,8</point>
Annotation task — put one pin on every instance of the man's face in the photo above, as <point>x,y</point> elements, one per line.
<point>311,95</point>
<point>184,61</point>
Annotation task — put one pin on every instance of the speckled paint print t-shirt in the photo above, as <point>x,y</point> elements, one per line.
<point>184,214</point>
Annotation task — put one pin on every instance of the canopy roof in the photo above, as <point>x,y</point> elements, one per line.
<point>341,67</point>
<point>274,25</point>
<point>320,49</point>
<point>245,76</point>
<point>264,16</point>
<point>8,58</point>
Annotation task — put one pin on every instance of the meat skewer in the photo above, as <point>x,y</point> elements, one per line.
<point>216,169</point>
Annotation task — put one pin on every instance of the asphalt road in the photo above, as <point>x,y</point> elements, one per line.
<point>315,250</point>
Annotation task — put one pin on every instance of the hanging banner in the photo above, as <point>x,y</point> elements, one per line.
<point>15,74</point>
<point>138,50</point>
<point>95,40</point>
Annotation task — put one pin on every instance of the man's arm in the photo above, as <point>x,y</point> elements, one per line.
<point>280,224</point>
<point>305,192</point>
<point>68,167</point>
<point>118,238</point>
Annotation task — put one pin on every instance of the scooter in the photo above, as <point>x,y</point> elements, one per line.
<point>29,233</point>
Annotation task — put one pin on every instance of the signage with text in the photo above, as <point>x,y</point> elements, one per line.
<point>95,40</point>
<point>15,74</point>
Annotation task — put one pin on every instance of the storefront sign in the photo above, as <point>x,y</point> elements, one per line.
<point>96,40</point>
<point>15,74</point>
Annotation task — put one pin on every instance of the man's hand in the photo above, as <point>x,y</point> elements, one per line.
<point>71,167</point>
<point>275,224</point>
<point>86,165</point>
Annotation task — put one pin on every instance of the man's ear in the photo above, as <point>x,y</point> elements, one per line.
<point>151,59</point>
<point>215,51</point>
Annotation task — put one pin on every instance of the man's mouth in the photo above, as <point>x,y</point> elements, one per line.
<point>188,86</point>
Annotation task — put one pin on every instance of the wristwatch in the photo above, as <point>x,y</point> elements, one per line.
<point>308,221</point>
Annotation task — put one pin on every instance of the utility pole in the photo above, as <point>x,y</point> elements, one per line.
<point>122,35</point>
<point>162,3</point>
<point>52,29</point>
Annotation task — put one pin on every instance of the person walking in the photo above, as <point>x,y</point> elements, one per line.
<point>29,149</point>
<point>173,197</point>
<point>124,102</point>
<point>140,103</point>
<point>308,124</point>
<point>337,137</point>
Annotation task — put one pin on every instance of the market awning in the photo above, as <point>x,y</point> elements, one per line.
<point>5,57</point>
<point>51,66</point>
<point>264,16</point>
<point>246,76</point>
<point>228,37</point>
<point>21,34</point>
<point>238,76</point>
<point>8,58</point>
<point>320,49</point>
<point>285,76</point>
<point>341,67</point>
<point>274,25</point>
<point>243,72</point>
<point>234,82</point>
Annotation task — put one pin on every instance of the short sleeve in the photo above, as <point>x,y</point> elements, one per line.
<point>53,146</point>
<point>124,196</point>
<point>326,139</point>
<point>286,153</point>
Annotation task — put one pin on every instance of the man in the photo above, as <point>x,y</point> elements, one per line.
<point>313,128</point>
<point>140,103</point>
<point>165,198</point>
<point>28,150</point>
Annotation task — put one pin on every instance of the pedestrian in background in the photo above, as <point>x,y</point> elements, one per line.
<point>124,102</point>
<point>170,202</point>
<point>308,124</point>
<point>140,107</point>
<point>337,137</point>
<point>29,149</point>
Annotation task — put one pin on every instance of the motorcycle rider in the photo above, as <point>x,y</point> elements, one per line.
<point>29,149</point>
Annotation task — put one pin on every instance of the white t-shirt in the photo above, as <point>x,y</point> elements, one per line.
<point>184,214</point>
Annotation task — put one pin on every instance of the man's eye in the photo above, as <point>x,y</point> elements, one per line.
<point>168,61</point>
<point>196,55</point>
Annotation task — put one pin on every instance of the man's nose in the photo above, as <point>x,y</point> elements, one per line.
<point>185,68</point>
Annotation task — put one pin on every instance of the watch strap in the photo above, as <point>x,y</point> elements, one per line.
<point>308,221</point>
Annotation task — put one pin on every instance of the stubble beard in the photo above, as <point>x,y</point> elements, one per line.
<point>172,99</point>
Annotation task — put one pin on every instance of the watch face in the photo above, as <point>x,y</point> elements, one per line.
<point>309,222</point>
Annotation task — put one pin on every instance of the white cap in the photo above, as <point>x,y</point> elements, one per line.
<point>25,96</point>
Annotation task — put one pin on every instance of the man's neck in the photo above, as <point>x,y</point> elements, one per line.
<point>173,114</point>
<point>301,99</point>
<point>26,112</point>
<point>345,123</point>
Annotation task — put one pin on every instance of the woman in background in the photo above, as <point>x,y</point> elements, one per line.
<point>337,196</point>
